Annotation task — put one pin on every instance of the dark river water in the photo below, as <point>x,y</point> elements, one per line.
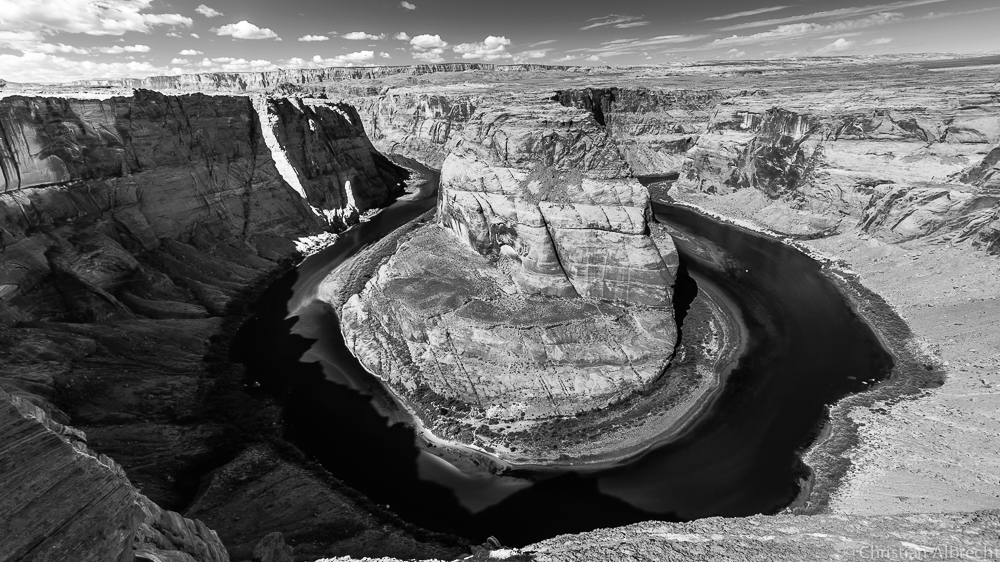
<point>806,350</point>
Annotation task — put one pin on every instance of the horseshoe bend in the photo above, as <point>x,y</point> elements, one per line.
<point>502,311</point>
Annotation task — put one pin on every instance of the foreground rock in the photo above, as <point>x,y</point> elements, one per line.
<point>61,497</point>
<point>539,295</point>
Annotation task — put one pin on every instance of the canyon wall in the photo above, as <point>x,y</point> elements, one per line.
<point>132,230</point>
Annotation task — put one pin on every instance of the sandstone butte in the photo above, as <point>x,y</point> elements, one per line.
<point>136,224</point>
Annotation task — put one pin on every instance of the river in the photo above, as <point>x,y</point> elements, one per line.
<point>806,349</point>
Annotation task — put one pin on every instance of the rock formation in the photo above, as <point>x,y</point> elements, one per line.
<point>60,498</point>
<point>539,294</point>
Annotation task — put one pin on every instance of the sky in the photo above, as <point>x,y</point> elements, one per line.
<point>61,40</point>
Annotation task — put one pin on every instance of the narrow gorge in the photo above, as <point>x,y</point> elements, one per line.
<point>589,298</point>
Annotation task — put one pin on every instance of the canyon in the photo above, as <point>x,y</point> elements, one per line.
<point>140,220</point>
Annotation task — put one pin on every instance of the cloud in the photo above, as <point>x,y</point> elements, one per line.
<point>190,53</point>
<point>880,41</point>
<point>524,56</point>
<point>566,58</point>
<point>407,6</point>
<point>618,47</point>
<point>207,12</point>
<point>834,14</point>
<point>361,36</point>
<point>746,13</point>
<point>47,68</point>
<point>245,30</point>
<point>179,61</point>
<point>540,43</point>
<point>797,30</point>
<point>427,42</point>
<point>401,36</point>
<point>491,48</point>
<point>105,17</point>
<point>341,60</point>
<point>196,36</point>
<point>614,20</point>
<point>230,64</point>
<point>314,38</point>
<point>385,55</point>
<point>432,56</point>
<point>838,45</point>
<point>593,58</point>
<point>118,49</point>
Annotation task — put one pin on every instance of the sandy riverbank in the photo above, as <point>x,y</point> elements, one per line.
<point>938,450</point>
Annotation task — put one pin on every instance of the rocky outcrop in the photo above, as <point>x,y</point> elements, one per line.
<point>892,166</point>
<point>61,500</point>
<point>653,128</point>
<point>273,81</point>
<point>339,170</point>
<point>539,295</point>
<point>418,123</point>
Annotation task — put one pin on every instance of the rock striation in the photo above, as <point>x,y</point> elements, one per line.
<point>60,498</point>
<point>131,231</point>
<point>539,293</point>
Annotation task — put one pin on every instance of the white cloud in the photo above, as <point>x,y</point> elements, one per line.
<point>179,61</point>
<point>401,36</point>
<point>173,34</point>
<point>245,30</point>
<point>104,17</point>
<point>566,58</point>
<point>231,64</point>
<point>118,49</point>
<point>314,38</point>
<point>540,43</point>
<point>614,20</point>
<point>385,55</point>
<point>880,41</point>
<point>207,12</point>
<point>491,48</point>
<point>196,36</point>
<point>797,30</point>
<point>524,56</point>
<point>634,46</point>
<point>190,53</point>
<point>432,56</point>
<point>838,45</point>
<point>41,67</point>
<point>362,36</point>
<point>833,14</point>
<point>59,48</point>
<point>426,42</point>
<point>746,13</point>
<point>342,60</point>
<point>593,58</point>
<point>407,6</point>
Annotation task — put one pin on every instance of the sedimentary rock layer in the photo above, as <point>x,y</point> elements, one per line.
<point>539,293</point>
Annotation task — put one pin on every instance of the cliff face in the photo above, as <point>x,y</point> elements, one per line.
<point>918,166</point>
<point>416,123</point>
<point>61,497</point>
<point>654,129</point>
<point>239,82</point>
<point>539,294</point>
<point>130,228</point>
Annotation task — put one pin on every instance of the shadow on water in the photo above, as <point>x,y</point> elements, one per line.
<point>807,349</point>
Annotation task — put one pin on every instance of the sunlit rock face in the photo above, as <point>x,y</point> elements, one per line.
<point>417,123</point>
<point>902,165</point>
<point>547,188</point>
<point>537,293</point>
